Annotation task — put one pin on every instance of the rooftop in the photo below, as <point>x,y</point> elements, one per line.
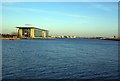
<point>30,26</point>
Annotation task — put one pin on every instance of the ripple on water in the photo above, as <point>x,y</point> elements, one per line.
<point>60,59</point>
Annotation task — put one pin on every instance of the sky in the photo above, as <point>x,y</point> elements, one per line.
<point>85,19</point>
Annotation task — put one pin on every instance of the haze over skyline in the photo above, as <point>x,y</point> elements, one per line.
<point>63,18</point>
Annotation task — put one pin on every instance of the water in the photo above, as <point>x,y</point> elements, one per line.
<point>60,59</point>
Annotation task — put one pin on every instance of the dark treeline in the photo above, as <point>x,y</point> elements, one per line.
<point>7,35</point>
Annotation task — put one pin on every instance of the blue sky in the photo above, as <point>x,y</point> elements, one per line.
<point>63,18</point>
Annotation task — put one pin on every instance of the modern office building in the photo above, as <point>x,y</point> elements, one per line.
<point>31,32</point>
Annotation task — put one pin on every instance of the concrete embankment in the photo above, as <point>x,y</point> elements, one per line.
<point>9,38</point>
<point>114,39</point>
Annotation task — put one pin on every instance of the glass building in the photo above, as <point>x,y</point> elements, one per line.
<point>31,32</point>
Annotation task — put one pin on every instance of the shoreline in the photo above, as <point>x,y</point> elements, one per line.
<point>113,39</point>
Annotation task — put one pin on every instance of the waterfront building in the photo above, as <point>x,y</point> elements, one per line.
<point>31,32</point>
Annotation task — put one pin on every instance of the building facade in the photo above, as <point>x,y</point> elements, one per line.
<point>31,32</point>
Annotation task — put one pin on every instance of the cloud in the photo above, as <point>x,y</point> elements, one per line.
<point>75,15</point>
<point>104,7</point>
<point>45,11</point>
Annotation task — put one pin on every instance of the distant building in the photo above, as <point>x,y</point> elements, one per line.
<point>31,32</point>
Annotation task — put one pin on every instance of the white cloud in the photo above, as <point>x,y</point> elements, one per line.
<point>45,11</point>
<point>104,7</point>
